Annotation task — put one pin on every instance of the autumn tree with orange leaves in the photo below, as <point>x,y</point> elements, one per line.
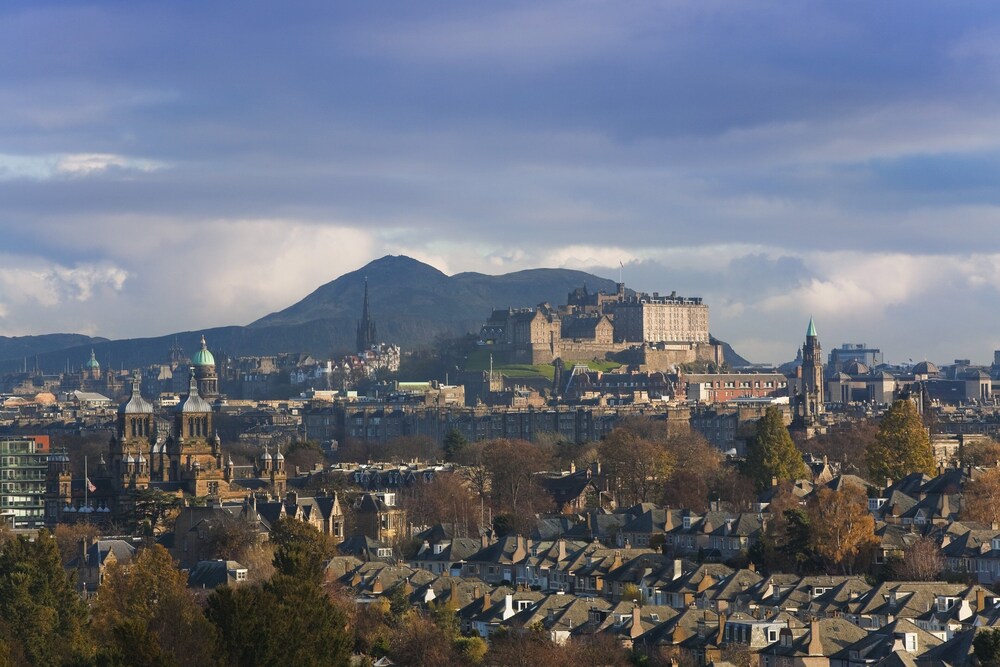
<point>843,531</point>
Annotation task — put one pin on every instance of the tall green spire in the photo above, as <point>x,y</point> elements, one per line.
<point>811,331</point>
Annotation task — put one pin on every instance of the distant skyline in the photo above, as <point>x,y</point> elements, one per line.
<point>186,165</point>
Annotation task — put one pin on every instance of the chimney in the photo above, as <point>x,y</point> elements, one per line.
<point>453,594</point>
<point>636,629</point>
<point>508,606</point>
<point>292,498</point>
<point>84,546</point>
<point>617,562</point>
<point>485,541</point>
<point>720,637</point>
<point>520,551</point>
<point>980,599</point>
<point>678,568</point>
<point>487,602</point>
<point>572,467</point>
<point>815,645</point>
<point>774,482</point>
<point>562,550</point>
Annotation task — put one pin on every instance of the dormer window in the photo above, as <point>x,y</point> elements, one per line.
<point>945,603</point>
<point>687,522</point>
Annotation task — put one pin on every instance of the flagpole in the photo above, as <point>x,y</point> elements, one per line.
<point>86,482</point>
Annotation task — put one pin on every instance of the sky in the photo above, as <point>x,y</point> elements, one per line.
<point>183,165</point>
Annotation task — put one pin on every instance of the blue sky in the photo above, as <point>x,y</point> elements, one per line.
<point>174,166</point>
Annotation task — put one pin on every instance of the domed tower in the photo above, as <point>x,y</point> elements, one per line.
<point>131,448</point>
<point>193,450</point>
<point>205,373</point>
<point>92,369</point>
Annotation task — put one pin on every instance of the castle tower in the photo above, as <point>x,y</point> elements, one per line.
<point>811,401</point>
<point>366,326</point>
<point>205,372</point>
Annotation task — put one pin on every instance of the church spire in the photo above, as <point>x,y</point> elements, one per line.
<point>811,331</point>
<point>366,325</point>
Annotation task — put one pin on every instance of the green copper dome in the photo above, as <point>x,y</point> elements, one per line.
<point>92,362</point>
<point>203,357</point>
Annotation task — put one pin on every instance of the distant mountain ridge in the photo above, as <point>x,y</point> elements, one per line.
<point>412,304</point>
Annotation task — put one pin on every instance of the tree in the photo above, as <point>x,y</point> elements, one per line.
<point>696,469</point>
<point>511,466</point>
<point>986,647</point>
<point>145,614</point>
<point>41,616</point>
<point>982,498</point>
<point>637,467</point>
<point>418,642</point>
<point>980,453</point>
<point>445,499</point>
<point>303,455</point>
<point>921,561</point>
<point>771,453</point>
<point>842,528</point>
<point>300,550</point>
<point>285,621</point>
<point>845,444</point>
<point>153,508</point>
<point>231,537</point>
<point>901,446</point>
<point>69,535</point>
<point>454,443</point>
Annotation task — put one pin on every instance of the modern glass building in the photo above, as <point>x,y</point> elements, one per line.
<point>23,465</point>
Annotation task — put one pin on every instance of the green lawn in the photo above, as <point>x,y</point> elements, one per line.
<point>479,360</point>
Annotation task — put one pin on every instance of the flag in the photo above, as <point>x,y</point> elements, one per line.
<point>90,486</point>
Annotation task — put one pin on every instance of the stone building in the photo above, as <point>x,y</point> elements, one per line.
<point>188,462</point>
<point>596,326</point>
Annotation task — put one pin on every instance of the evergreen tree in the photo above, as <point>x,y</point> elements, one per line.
<point>41,616</point>
<point>986,647</point>
<point>285,621</point>
<point>901,446</point>
<point>300,550</point>
<point>771,453</point>
<point>454,443</point>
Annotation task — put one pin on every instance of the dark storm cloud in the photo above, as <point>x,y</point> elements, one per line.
<point>731,150</point>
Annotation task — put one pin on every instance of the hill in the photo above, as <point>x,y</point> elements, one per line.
<point>412,304</point>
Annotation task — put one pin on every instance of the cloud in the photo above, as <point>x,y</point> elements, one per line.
<point>777,160</point>
<point>45,167</point>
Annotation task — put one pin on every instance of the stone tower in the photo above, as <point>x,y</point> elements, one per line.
<point>811,398</point>
<point>366,326</point>
<point>132,442</point>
